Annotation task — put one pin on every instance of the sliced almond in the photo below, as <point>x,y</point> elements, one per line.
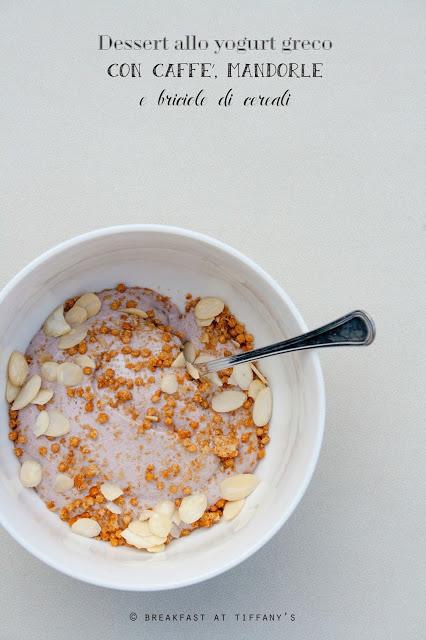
<point>262,408</point>
<point>145,514</point>
<point>254,388</point>
<point>156,548</point>
<point>110,491</point>
<point>176,517</point>
<point>143,532</point>
<point>179,361</point>
<point>87,527</point>
<point>76,315</point>
<point>193,371</point>
<point>63,483</point>
<point>74,337</point>
<point>258,373</point>
<point>140,528</point>
<point>11,391</point>
<point>58,424</point>
<point>238,487</point>
<point>136,312</point>
<point>165,507</point>
<point>169,383</point>
<point>160,524</point>
<point>243,375</point>
<point>141,542</point>
<point>41,424</point>
<point>228,400</point>
<point>49,370</point>
<point>232,380</point>
<point>232,509</point>
<point>209,307</point>
<point>189,351</point>
<point>17,368</point>
<point>30,473</point>
<point>112,507</point>
<point>43,397</point>
<point>90,302</point>
<point>214,376</point>
<point>192,507</point>
<point>27,393</point>
<point>133,539</point>
<point>204,323</point>
<point>56,325</point>
<point>69,374</point>
<point>84,362</point>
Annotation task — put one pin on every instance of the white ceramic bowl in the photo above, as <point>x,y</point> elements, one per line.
<point>172,261</point>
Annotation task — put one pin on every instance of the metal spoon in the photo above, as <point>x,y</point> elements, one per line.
<point>354,329</point>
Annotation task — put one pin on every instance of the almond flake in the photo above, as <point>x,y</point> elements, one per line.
<point>176,518</point>
<point>110,491</point>
<point>169,383</point>
<point>166,507</point>
<point>232,380</point>
<point>56,325</point>
<point>84,361</point>
<point>214,376</point>
<point>90,302</point>
<point>179,361</point>
<point>232,509</point>
<point>74,337</point>
<point>189,351</point>
<point>140,528</point>
<point>111,506</point>
<point>27,393</point>
<point>43,397</point>
<point>243,375</point>
<point>133,539</point>
<point>86,527</point>
<point>258,373</point>
<point>41,424</point>
<point>156,548</point>
<point>192,507</point>
<point>193,371</point>
<point>11,391</point>
<point>136,312</point>
<point>49,370</point>
<point>69,374</point>
<point>58,424</point>
<point>254,388</point>
<point>31,473</point>
<point>63,483</point>
<point>141,542</point>
<point>145,514</point>
<point>204,323</point>
<point>208,308</point>
<point>238,487</point>
<point>17,368</point>
<point>76,315</point>
<point>160,524</point>
<point>228,400</point>
<point>262,408</point>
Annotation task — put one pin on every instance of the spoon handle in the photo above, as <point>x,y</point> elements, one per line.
<point>354,329</point>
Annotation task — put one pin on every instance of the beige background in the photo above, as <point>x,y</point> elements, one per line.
<point>326,196</point>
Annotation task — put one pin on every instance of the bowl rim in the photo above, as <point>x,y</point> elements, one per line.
<point>309,469</point>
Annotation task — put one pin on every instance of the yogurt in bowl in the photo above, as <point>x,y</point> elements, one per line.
<point>129,448</point>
